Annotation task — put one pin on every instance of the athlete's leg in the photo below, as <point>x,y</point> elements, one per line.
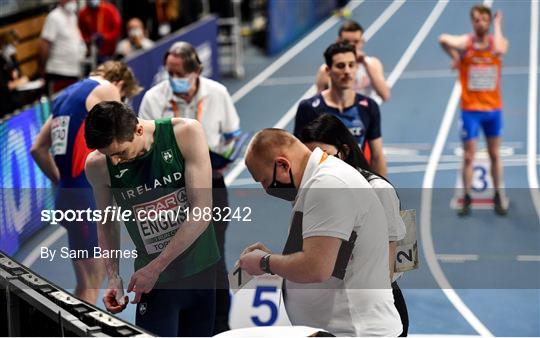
<point>197,318</point>
<point>494,145</point>
<point>401,306</point>
<point>469,150</point>
<point>89,274</point>
<point>492,126</point>
<point>469,132</point>
<point>158,311</point>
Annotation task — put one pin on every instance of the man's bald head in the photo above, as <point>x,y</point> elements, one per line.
<point>269,143</point>
<point>276,153</point>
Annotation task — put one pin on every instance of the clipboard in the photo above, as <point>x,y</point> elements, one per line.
<point>231,153</point>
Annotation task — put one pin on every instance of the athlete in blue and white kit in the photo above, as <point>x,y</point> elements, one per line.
<point>359,113</point>
<point>60,151</point>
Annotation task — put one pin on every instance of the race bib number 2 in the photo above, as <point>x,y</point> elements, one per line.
<point>59,135</point>
<point>407,248</point>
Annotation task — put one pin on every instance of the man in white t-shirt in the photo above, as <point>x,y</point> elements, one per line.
<point>62,48</point>
<point>335,261</point>
<point>188,94</point>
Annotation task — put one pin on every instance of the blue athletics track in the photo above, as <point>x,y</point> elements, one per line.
<point>478,275</point>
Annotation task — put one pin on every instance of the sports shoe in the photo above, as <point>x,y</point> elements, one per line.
<point>466,207</point>
<point>499,208</point>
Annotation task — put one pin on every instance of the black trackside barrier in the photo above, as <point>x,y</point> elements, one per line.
<point>32,306</point>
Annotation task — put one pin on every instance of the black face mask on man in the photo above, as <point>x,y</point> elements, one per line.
<point>286,191</point>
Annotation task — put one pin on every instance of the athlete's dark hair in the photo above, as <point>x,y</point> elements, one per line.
<point>330,130</point>
<point>108,121</point>
<point>350,26</point>
<point>337,48</point>
<point>482,9</point>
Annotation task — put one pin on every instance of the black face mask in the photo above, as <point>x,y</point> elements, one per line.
<point>286,191</point>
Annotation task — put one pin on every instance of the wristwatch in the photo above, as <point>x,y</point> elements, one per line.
<point>265,264</point>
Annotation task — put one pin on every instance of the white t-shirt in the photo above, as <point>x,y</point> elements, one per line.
<point>212,106</point>
<point>362,83</point>
<point>67,46</point>
<point>362,303</point>
<point>390,202</point>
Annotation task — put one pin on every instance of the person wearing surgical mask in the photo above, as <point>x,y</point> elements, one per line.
<point>136,39</point>
<point>335,261</point>
<point>101,27</point>
<point>61,48</point>
<point>186,93</point>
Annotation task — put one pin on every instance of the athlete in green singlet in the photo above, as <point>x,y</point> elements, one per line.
<point>157,166</point>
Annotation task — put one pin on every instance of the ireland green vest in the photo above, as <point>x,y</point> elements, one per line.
<point>153,184</point>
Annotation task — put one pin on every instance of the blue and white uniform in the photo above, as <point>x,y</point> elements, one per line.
<point>363,118</point>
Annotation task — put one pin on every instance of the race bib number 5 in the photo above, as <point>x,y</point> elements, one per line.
<point>59,135</point>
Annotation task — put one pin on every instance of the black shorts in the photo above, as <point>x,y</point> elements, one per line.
<point>180,309</point>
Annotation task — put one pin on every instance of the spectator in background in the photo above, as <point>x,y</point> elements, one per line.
<point>167,12</point>
<point>10,75</point>
<point>136,39</point>
<point>61,47</point>
<point>101,24</point>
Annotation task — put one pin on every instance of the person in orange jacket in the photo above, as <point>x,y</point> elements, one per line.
<point>100,23</point>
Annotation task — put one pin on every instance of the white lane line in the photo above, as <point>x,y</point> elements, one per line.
<point>449,158</point>
<point>463,258</point>
<point>532,110</point>
<point>289,115</point>
<point>282,123</point>
<point>446,166</point>
<point>291,53</point>
<point>408,169</point>
<point>406,75</point>
<point>425,214</point>
<point>289,80</point>
<point>35,254</point>
<point>528,258</point>
<point>456,258</point>
<point>426,236</point>
<point>382,19</point>
<point>415,44</point>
